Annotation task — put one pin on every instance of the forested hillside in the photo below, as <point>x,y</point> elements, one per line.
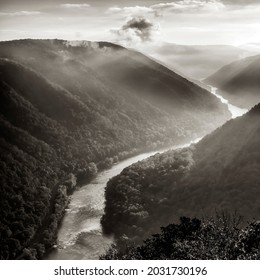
<point>221,172</point>
<point>239,81</point>
<point>64,114</point>
<point>219,238</point>
<point>99,73</point>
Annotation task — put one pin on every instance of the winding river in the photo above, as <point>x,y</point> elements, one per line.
<point>234,110</point>
<point>80,235</point>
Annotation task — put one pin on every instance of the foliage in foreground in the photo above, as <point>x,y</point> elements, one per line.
<point>194,239</point>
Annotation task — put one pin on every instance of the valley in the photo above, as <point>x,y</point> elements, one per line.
<point>65,107</point>
<point>219,173</point>
<point>238,81</point>
<point>129,130</point>
<point>234,110</point>
<point>71,109</point>
<point>80,235</point>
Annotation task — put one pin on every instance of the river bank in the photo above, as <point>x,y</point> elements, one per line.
<point>80,235</point>
<point>234,110</point>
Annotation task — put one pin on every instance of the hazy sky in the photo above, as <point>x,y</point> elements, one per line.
<point>133,23</point>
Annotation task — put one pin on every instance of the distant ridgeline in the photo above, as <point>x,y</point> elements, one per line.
<point>68,109</point>
<point>239,81</point>
<point>221,172</point>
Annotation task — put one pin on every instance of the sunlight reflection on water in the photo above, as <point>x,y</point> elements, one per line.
<point>80,235</point>
<point>234,110</point>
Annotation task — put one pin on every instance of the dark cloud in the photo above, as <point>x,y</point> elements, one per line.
<point>136,27</point>
<point>141,26</point>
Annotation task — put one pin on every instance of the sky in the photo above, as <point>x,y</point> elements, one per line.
<point>133,23</point>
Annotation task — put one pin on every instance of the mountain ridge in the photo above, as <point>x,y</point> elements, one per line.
<point>239,81</point>
<point>62,119</point>
<point>198,61</point>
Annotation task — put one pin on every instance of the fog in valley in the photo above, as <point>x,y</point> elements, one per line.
<point>129,129</point>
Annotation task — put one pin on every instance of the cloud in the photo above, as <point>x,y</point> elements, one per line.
<point>21,13</point>
<point>188,6</point>
<point>135,10</point>
<point>68,5</point>
<point>241,2</point>
<point>177,6</point>
<point>114,10</point>
<point>140,24</point>
<point>136,29</point>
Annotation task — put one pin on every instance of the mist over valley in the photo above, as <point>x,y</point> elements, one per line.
<point>129,131</point>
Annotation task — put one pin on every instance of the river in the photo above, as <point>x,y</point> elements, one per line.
<point>234,110</point>
<point>80,235</point>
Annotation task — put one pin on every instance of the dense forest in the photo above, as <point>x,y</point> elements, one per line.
<point>219,238</point>
<point>68,110</point>
<point>239,81</point>
<point>221,172</point>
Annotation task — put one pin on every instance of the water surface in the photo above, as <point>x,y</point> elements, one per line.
<point>234,110</point>
<point>80,235</point>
